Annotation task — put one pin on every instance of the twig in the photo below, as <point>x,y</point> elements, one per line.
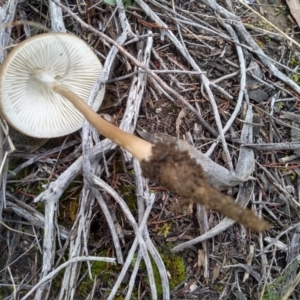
<point>137,63</point>
<point>271,24</point>
<point>145,197</point>
<point>139,239</point>
<point>57,23</point>
<point>52,274</point>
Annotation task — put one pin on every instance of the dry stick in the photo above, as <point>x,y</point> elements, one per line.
<point>57,188</point>
<point>145,197</point>
<point>274,146</point>
<point>242,82</point>
<point>191,189</point>
<point>89,166</point>
<point>136,93</point>
<point>57,23</point>
<point>7,14</point>
<point>205,82</point>
<point>271,24</point>
<point>201,211</point>
<point>71,274</point>
<point>169,167</point>
<point>51,223</point>
<point>110,224</point>
<point>232,19</point>
<point>128,123</point>
<point>34,217</point>
<point>253,46</point>
<point>53,273</point>
<point>139,239</point>
<point>140,65</point>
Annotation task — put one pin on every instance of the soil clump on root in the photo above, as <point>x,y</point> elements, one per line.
<point>176,171</point>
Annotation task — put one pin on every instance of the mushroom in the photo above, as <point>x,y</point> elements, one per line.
<point>36,78</point>
<point>27,75</point>
<point>42,72</point>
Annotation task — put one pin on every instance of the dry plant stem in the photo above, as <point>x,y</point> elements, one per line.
<point>90,167</point>
<point>7,14</point>
<point>292,287</point>
<point>165,86</point>
<point>253,46</point>
<point>205,82</point>
<point>278,185</point>
<point>139,240</point>
<point>271,24</point>
<point>233,20</point>
<point>133,276</point>
<point>52,274</point>
<point>136,93</point>
<point>77,244</point>
<point>110,223</point>
<point>145,197</point>
<point>36,158</point>
<point>242,83</point>
<point>274,146</point>
<point>51,224</point>
<point>49,247</point>
<point>57,23</point>
<point>202,217</point>
<point>124,21</point>
<point>34,217</point>
<point>138,86</point>
<point>137,147</point>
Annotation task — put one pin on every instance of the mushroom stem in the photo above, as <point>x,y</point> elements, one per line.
<point>139,148</point>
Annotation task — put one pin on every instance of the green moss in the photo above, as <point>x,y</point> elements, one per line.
<point>260,44</point>
<point>164,229</point>
<point>173,109</point>
<point>56,282</point>
<point>280,105</point>
<point>218,287</point>
<point>264,25</point>
<point>102,271</point>
<point>294,62</point>
<point>280,285</point>
<point>176,268</point>
<point>128,193</point>
<point>4,294</point>
<point>296,78</point>
<point>266,38</point>
<point>40,206</point>
<point>69,203</point>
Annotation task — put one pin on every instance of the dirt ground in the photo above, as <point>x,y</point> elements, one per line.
<point>225,87</point>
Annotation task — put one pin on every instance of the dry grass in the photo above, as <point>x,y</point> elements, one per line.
<point>199,89</point>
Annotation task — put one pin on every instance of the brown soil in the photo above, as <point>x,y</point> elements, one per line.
<point>176,171</point>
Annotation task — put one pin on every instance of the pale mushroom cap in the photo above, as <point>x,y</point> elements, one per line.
<point>33,108</point>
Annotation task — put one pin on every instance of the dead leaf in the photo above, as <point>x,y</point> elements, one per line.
<point>294,6</point>
<point>201,258</point>
<point>216,272</point>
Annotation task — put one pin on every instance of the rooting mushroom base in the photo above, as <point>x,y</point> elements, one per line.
<point>176,171</point>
